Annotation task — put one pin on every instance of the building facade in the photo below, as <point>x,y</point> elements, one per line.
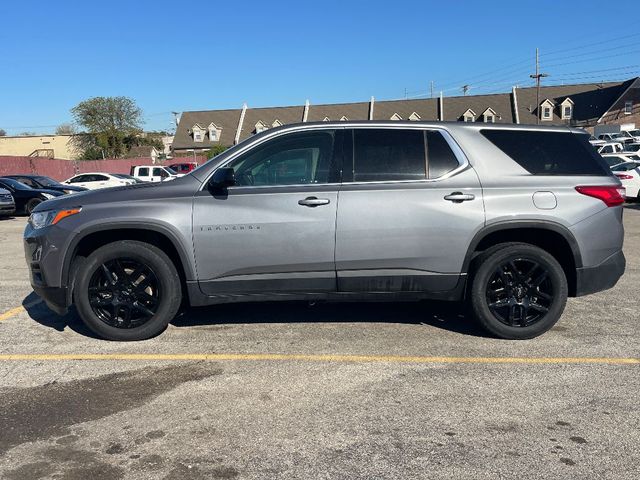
<point>48,146</point>
<point>582,105</point>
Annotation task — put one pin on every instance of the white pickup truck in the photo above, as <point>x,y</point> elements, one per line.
<point>154,173</point>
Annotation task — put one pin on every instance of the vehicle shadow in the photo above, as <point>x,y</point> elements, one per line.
<point>449,316</point>
<point>632,206</point>
<point>38,311</point>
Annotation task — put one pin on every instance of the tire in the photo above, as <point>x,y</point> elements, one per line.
<point>31,204</point>
<point>121,307</point>
<point>523,301</point>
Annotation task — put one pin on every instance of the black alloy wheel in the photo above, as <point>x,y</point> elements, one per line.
<point>517,290</point>
<point>124,293</point>
<point>520,292</point>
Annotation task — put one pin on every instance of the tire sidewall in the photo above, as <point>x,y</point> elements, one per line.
<point>169,286</point>
<point>483,275</point>
<point>31,204</point>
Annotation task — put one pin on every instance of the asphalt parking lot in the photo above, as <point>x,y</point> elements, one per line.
<point>332,391</point>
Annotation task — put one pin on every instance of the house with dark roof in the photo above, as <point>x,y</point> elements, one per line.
<point>582,105</point>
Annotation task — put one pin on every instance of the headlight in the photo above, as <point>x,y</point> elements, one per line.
<point>50,217</point>
<point>48,196</point>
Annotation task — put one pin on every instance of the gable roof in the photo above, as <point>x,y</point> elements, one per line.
<point>227,120</point>
<point>426,108</point>
<point>591,100</point>
<point>455,107</point>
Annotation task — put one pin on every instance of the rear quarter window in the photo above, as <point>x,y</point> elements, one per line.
<point>549,153</point>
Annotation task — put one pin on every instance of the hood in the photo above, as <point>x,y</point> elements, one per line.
<point>180,187</point>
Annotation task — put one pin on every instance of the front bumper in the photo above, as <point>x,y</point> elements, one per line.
<point>44,258</point>
<point>600,277</point>
<point>7,209</point>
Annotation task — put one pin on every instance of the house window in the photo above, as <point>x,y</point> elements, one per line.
<point>489,119</point>
<point>213,135</point>
<point>469,118</point>
<point>566,112</point>
<point>628,108</point>
<point>197,136</point>
<point>546,113</point>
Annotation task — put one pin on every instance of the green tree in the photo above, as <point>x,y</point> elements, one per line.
<point>110,126</point>
<point>3,133</point>
<point>215,150</point>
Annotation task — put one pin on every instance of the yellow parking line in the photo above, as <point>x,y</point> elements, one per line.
<point>314,358</point>
<point>11,313</point>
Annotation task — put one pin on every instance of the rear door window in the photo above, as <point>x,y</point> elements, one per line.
<point>143,172</point>
<point>389,155</point>
<point>549,153</point>
<point>441,159</point>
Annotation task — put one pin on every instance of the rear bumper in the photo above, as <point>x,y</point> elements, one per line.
<point>601,277</point>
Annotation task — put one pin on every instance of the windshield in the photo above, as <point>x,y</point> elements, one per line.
<point>46,181</point>
<point>15,184</point>
<point>635,133</point>
<point>171,171</point>
<point>616,135</point>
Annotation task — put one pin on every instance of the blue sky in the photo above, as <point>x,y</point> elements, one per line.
<point>176,56</point>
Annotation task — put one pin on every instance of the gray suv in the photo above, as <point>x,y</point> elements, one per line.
<point>512,219</point>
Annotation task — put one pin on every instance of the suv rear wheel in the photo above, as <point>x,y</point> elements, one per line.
<point>127,290</point>
<point>518,291</point>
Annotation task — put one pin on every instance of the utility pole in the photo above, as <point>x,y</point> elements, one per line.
<point>431,88</point>
<point>537,77</point>
<point>405,93</point>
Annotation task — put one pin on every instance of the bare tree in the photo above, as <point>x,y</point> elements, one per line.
<point>65,129</point>
<point>3,133</point>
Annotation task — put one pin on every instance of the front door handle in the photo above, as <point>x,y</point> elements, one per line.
<point>459,197</point>
<point>313,201</point>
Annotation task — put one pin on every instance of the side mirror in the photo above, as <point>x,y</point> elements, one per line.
<point>223,178</point>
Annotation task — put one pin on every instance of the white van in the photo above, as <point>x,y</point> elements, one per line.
<point>154,173</point>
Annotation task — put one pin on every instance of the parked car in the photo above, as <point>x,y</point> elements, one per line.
<point>40,181</point>
<point>25,197</point>
<point>512,218</point>
<point>613,159</point>
<point>596,142</point>
<point>615,137</point>
<point>124,176</point>
<point>94,181</point>
<point>154,173</point>
<point>629,175</point>
<point>184,168</point>
<point>635,133</point>
<point>7,204</point>
<point>610,147</point>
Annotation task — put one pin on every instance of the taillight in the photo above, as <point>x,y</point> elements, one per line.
<point>623,176</point>
<point>612,196</point>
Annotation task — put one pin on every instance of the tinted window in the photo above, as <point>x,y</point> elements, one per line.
<point>143,172</point>
<point>549,153</point>
<point>383,155</point>
<point>99,178</point>
<point>441,158</point>
<point>159,172</point>
<point>625,167</point>
<point>295,159</point>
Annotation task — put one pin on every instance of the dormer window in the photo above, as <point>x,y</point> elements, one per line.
<point>214,132</point>
<point>343,119</point>
<point>261,127</point>
<point>276,123</point>
<point>628,107</point>
<point>198,133</point>
<point>326,119</point>
<point>395,116</point>
<point>566,109</point>
<point>489,115</point>
<point>414,117</point>
<point>469,116</point>
<point>546,110</point>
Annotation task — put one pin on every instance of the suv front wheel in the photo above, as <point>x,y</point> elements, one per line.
<point>518,291</point>
<point>127,290</point>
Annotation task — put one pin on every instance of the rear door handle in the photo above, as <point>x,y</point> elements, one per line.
<point>459,197</point>
<point>313,201</point>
